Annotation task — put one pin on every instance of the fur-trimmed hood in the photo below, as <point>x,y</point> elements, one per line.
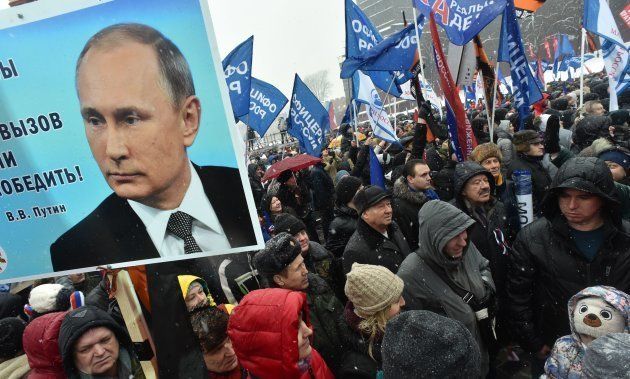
<point>402,191</point>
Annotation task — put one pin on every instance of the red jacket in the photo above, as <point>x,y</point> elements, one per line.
<point>40,340</point>
<point>263,329</point>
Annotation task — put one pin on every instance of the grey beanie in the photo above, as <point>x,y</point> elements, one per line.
<point>423,344</point>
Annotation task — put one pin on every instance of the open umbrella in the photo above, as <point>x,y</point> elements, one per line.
<point>293,163</point>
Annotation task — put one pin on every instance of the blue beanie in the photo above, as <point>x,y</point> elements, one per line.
<point>617,156</point>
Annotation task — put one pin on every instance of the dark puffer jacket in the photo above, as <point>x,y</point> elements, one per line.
<point>546,268</point>
<point>540,177</point>
<point>406,204</point>
<point>370,247</point>
<point>357,362</point>
<point>257,188</point>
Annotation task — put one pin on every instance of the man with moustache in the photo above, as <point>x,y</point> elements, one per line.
<point>141,115</point>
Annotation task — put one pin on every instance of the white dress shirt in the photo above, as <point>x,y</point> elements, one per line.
<point>206,229</point>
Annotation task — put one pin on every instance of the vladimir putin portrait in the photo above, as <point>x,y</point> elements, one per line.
<point>140,114</point>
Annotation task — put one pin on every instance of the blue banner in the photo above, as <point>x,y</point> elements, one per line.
<point>361,36</point>
<point>524,86</point>
<point>265,103</point>
<point>376,171</point>
<point>308,119</point>
<point>237,67</point>
<point>395,53</point>
<point>461,19</point>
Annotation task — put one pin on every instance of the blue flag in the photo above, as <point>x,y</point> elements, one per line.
<point>265,103</point>
<point>502,80</point>
<point>525,88</point>
<point>308,119</point>
<point>347,116</point>
<point>376,171</point>
<point>361,36</point>
<point>562,54</point>
<point>237,67</point>
<point>395,53</point>
<point>461,19</point>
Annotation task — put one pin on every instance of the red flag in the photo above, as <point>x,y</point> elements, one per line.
<point>486,69</point>
<point>459,125</point>
<point>531,51</point>
<point>548,50</point>
<point>555,46</point>
<point>331,116</point>
<point>591,43</point>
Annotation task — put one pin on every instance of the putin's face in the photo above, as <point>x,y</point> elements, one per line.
<point>137,135</point>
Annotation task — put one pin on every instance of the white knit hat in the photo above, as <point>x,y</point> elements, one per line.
<point>372,288</point>
<point>49,297</point>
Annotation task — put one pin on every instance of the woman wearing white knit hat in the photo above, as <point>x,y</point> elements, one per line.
<point>374,297</point>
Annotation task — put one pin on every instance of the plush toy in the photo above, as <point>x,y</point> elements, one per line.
<point>593,317</point>
<point>593,312</point>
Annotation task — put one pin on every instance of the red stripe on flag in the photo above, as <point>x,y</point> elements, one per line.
<point>465,136</point>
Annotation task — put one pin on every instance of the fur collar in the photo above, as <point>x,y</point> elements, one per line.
<point>402,191</point>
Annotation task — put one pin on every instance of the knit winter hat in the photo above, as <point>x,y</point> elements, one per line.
<point>278,253</point>
<point>425,344</point>
<point>617,156</point>
<point>372,288</point>
<point>346,188</point>
<point>369,196</point>
<point>210,326</point>
<point>11,330</point>
<point>288,223</point>
<point>47,298</point>
<point>524,138</point>
<point>485,151</point>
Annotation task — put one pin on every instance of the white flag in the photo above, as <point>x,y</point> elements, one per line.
<point>364,92</point>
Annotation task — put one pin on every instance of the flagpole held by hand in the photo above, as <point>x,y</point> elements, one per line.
<point>415,20</point>
<point>582,67</point>
<point>494,98</point>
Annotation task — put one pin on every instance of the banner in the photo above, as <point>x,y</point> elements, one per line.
<point>361,36</point>
<point>486,70</point>
<point>395,53</point>
<point>237,67</point>
<point>461,19</point>
<point>363,91</point>
<point>598,19</point>
<point>265,103</point>
<point>432,97</point>
<point>526,91</point>
<point>95,159</point>
<point>527,7</point>
<point>308,119</point>
<point>459,128</point>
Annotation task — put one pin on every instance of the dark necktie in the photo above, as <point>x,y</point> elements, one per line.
<point>180,225</point>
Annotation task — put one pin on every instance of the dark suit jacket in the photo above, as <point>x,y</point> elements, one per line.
<point>113,232</point>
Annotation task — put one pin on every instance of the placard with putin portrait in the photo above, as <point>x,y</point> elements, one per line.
<point>117,141</point>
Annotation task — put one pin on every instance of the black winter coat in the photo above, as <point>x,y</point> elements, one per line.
<point>323,188</point>
<point>257,188</point>
<point>406,204</point>
<point>356,362</point>
<point>540,177</point>
<point>367,246</point>
<point>341,229</point>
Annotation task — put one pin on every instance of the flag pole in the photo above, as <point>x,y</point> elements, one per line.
<point>415,22</point>
<point>356,122</point>
<point>494,98</point>
<point>582,67</point>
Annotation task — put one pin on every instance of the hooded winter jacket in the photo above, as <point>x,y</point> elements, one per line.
<point>424,289</point>
<point>566,359</point>
<point>41,345</point>
<point>546,268</point>
<point>368,246</point>
<point>264,328</point>
<point>405,204</point>
<point>254,182</point>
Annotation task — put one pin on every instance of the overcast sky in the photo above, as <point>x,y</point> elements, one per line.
<point>289,36</point>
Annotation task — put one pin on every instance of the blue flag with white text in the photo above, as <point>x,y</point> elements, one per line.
<point>525,89</point>
<point>395,53</point>
<point>462,20</point>
<point>265,103</point>
<point>361,35</point>
<point>237,67</point>
<point>308,119</point>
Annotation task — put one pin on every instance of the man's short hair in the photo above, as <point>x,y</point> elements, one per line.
<point>410,167</point>
<point>210,325</point>
<point>176,76</point>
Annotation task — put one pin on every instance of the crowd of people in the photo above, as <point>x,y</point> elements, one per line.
<point>434,276</point>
